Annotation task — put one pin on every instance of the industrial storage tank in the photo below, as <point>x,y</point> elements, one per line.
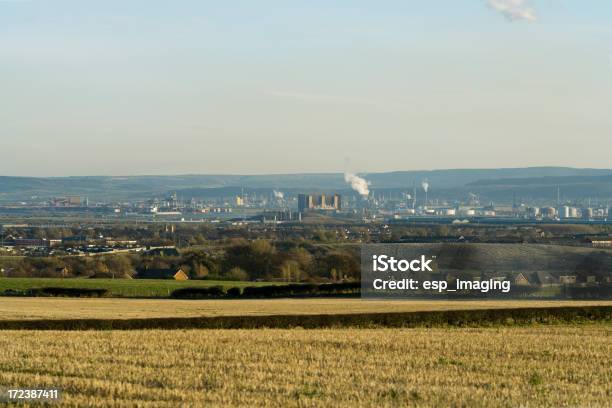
<point>448,212</point>
<point>564,212</point>
<point>533,212</point>
<point>548,212</point>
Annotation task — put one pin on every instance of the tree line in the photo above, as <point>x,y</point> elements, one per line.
<point>240,259</point>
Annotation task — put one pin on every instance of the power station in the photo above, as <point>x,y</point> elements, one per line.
<point>319,202</point>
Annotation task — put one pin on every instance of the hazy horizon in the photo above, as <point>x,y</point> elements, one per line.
<point>311,173</point>
<point>120,88</point>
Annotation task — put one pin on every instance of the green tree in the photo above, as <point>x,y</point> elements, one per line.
<point>119,266</point>
<point>345,265</point>
<point>290,271</point>
<point>237,274</point>
<point>302,257</point>
<point>257,257</point>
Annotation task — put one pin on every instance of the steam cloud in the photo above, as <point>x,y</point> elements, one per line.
<point>425,185</point>
<point>279,195</point>
<point>514,10</point>
<point>358,184</point>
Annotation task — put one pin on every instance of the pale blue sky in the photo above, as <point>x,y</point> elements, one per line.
<point>166,87</point>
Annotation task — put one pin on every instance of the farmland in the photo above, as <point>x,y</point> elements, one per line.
<point>108,308</point>
<point>134,314</point>
<point>534,366</point>
<point>119,287</point>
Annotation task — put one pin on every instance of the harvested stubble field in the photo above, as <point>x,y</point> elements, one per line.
<point>123,314</point>
<point>19,308</point>
<point>518,366</point>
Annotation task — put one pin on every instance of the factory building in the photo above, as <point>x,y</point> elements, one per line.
<point>319,202</point>
<point>69,201</point>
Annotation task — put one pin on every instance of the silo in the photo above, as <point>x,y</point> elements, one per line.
<point>548,212</point>
<point>449,212</point>
<point>533,212</point>
<point>469,212</point>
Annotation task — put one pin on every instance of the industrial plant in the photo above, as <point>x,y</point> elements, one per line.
<point>381,197</point>
<point>319,202</point>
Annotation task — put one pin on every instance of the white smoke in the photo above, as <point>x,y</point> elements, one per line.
<point>358,184</point>
<point>514,10</point>
<point>425,185</point>
<point>279,195</point>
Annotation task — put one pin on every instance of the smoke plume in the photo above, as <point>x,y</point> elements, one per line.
<point>358,184</point>
<point>514,10</point>
<point>279,195</point>
<point>425,185</point>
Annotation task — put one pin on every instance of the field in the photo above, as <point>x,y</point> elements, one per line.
<point>119,287</point>
<point>19,308</point>
<point>536,366</point>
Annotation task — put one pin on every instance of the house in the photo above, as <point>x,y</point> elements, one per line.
<point>521,279</point>
<point>171,273</point>
<point>30,243</point>
<point>567,279</point>
<point>607,243</point>
<point>544,278</point>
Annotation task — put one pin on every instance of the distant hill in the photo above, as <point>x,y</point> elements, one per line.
<point>494,184</point>
<point>568,180</point>
<point>444,179</point>
<point>495,258</point>
<point>570,187</point>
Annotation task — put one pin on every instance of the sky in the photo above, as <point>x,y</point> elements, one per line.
<point>126,87</point>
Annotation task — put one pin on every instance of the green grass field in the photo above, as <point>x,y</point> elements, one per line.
<point>119,287</point>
